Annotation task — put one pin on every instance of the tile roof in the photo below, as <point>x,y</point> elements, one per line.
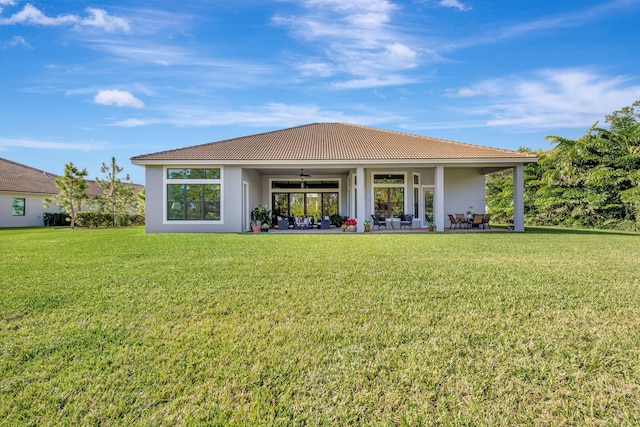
<point>19,178</point>
<point>334,141</point>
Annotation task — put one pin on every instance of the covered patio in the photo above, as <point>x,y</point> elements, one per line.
<point>321,170</point>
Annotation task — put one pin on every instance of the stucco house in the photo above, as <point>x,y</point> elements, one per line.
<point>320,169</point>
<point>23,190</point>
<point>22,193</point>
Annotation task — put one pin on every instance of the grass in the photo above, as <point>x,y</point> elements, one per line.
<point>117,327</point>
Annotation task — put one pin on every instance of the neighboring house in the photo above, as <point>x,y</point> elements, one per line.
<point>321,169</point>
<point>23,190</point>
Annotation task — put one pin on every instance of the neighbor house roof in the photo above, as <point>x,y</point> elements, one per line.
<point>333,141</point>
<point>19,178</point>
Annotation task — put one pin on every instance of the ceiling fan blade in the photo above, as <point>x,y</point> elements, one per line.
<point>302,174</point>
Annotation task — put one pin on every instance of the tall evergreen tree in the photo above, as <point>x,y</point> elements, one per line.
<point>72,186</point>
<point>117,194</point>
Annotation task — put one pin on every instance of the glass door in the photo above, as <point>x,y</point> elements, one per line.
<point>427,206</point>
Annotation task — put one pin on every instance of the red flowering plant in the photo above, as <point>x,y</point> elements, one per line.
<point>350,222</point>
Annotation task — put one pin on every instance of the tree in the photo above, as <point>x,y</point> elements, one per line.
<point>72,186</point>
<point>499,190</point>
<point>118,195</point>
<point>592,181</point>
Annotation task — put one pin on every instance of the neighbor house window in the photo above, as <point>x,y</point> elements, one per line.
<point>18,206</point>
<point>194,194</point>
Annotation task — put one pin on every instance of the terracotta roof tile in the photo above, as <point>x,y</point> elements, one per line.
<point>333,141</point>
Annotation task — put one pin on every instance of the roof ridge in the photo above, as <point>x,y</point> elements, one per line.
<point>223,140</point>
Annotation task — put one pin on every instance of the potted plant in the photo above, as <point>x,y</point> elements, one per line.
<point>431,226</point>
<point>367,225</point>
<point>351,224</point>
<point>260,219</point>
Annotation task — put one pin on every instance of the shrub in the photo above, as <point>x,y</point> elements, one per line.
<point>55,219</point>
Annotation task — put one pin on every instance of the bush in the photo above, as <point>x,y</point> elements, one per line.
<point>55,219</point>
<point>103,219</point>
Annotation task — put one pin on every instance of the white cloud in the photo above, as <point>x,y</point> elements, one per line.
<point>101,19</point>
<point>456,4</point>
<point>373,82</point>
<point>117,98</point>
<point>551,98</point>
<point>312,68</point>
<point>48,145</point>
<point>6,3</point>
<point>356,37</point>
<point>15,42</point>
<point>98,18</point>
<point>269,115</point>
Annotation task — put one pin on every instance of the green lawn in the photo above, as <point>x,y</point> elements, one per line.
<point>117,327</point>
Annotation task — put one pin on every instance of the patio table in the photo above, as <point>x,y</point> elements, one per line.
<point>393,222</point>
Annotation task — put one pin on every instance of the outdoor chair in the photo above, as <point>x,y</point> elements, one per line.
<point>462,220</point>
<point>454,222</point>
<point>406,221</point>
<point>477,220</point>
<point>325,223</point>
<point>283,223</point>
<point>485,221</point>
<point>380,222</point>
<point>303,224</point>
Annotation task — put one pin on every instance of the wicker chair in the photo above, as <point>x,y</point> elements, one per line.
<point>380,222</point>
<point>477,220</point>
<point>485,221</point>
<point>406,221</point>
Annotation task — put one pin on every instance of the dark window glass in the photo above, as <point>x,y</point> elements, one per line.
<point>193,202</point>
<point>388,202</point>
<point>18,206</point>
<point>388,179</point>
<point>193,173</point>
<point>286,184</point>
<point>317,205</point>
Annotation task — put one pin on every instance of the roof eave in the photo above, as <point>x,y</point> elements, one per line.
<point>239,162</point>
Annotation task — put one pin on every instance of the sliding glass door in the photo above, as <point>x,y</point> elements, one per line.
<point>300,204</point>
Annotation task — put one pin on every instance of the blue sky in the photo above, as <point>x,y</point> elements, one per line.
<point>85,80</point>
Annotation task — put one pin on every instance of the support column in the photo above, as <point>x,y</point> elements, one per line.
<point>438,199</point>
<point>518,198</point>
<point>360,193</point>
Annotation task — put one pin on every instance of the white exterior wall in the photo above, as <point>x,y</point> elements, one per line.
<point>33,211</point>
<point>231,201</point>
<point>464,190</point>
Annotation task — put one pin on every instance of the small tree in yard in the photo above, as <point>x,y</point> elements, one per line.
<point>72,192</point>
<point>117,194</point>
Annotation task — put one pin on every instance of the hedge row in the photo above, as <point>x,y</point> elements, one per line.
<point>93,220</point>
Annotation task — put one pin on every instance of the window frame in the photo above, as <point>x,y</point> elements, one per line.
<point>166,181</point>
<point>404,185</point>
<point>13,206</point>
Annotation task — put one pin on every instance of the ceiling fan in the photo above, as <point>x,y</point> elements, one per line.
<point>302,174</point>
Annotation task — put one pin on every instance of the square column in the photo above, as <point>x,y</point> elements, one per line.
<point>438,199</point>
<point>360,203</point>
<point>518,198</point>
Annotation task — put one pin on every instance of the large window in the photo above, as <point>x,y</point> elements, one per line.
<point>18,205</point>
<point>194,194</point>
<point>317,205</point>
<point>388,195</point>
